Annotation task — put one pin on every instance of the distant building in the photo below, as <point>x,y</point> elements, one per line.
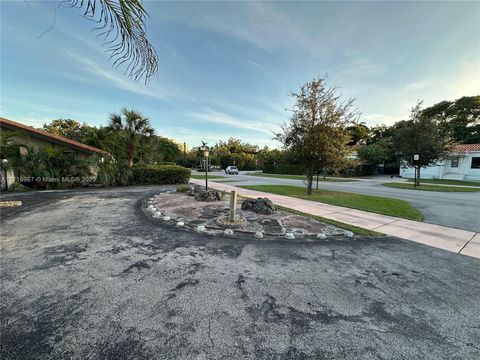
<point>463,163</point>
<point>28,135</point>
<point>40,138</point>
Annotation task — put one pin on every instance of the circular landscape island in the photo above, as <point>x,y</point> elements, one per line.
<point>192,208</point>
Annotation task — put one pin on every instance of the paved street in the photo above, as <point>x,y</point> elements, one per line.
<point>86,275</point>
<point>458,210</point>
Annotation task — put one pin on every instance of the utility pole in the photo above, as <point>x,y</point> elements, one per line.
<point>184,154</point>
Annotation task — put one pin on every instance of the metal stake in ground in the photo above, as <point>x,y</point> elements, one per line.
<point>233,205</point>
<point>205,153</point>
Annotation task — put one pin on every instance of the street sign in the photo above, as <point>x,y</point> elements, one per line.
<point>416,157</point>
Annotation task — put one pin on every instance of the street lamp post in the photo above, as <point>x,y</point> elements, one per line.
<point>205,153</point>
<point>5,164</point>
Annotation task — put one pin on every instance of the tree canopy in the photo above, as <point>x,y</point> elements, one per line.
<point>460,118</point>
<point>421,135</point>
<point>316,131</point>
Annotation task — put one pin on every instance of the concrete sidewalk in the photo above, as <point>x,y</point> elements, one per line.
<point>451,239</point>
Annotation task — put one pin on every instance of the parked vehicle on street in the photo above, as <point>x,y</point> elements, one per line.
<point>231,170</point>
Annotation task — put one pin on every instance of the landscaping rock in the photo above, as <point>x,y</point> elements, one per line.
<point>321,236</point>
<point>195,189</point>
<point>200,228</point>
<point>228,232</point>
<point>258,235</point>
<point>180,224</point>
<point>210,195</point>
<point>262,206</point>
<point>290,236</point>
<point>166,218</point>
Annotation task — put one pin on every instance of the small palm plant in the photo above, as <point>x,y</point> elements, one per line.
<point>134,126</point>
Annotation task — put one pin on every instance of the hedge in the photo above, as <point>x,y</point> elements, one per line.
<point>159,175</point>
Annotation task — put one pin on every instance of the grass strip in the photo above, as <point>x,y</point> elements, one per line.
<point>376,204</point>
<point>298,177</point>
<point>202,177</point>
<point>448,182</point>
<point>409,186</point>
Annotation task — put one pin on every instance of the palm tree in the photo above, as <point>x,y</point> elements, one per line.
<point>121,23</point>
<point>135,127</point>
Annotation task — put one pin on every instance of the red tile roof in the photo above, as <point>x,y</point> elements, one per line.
<point>464,148</point>
<point>45,135</point>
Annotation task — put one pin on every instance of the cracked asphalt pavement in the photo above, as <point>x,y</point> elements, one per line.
<point>86,275</point>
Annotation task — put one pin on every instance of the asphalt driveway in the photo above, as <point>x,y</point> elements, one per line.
<point>457,210</point>
<point>85,275</point>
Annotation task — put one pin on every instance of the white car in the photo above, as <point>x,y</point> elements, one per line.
<point>231,170</point>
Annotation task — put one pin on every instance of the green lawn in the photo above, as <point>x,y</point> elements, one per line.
<point>376,204</point>
<point>409,186</point>
<point>202,176</point>
<point>297,177</point>
<point>448,182</point>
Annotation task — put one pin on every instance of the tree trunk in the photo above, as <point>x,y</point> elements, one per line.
<point>130,154</point>
<point>324,173</point>
<point>309,179</point>
<point>418,176</point>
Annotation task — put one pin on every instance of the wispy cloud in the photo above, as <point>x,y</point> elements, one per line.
<point>216,117</point>
<point>419,85</point>
<point>359,69</point>
<point>110,77</point>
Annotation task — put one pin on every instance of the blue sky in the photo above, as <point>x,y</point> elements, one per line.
<point>226,68</point>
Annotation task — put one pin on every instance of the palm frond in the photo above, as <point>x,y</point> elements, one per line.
<point>121,23</point>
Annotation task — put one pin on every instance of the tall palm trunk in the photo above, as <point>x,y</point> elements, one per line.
<point>130,154</point>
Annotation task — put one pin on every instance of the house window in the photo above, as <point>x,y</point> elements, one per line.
<point>454,162</point>
<point>476,163</point>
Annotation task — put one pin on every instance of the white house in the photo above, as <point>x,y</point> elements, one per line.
<point>462,164</point>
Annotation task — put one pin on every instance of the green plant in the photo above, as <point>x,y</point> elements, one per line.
<point>159,174</point>
<point>111,172</point>
<point>136,128</point>
<point>17,187</point>
<point>121,24</point>
<point>183,188</point>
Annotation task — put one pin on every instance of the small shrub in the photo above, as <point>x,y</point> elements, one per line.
<point>17,187</point>
<point>183,188</point>
<point>159,175</point>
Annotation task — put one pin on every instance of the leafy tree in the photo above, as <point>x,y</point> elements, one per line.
<point>121,23</point>
<point>134,126</point>
<point>156,149</point>
<point>234,152</point>
<point>359,134</point>
<point>373,155</point>
<point>71,129</point>
<point>316,131</point>
<point>459,118</point>
<point>421,135</point>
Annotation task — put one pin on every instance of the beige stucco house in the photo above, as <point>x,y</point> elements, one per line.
<point>40,138</point>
